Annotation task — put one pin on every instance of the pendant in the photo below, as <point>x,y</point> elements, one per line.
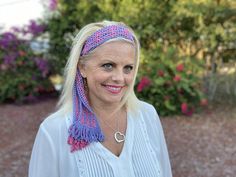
<point>119,137</point>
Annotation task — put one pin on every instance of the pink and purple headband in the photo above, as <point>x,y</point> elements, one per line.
<point>85,128</point>
<point>104,34</point>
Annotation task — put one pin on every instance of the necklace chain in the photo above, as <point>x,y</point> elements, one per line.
<point>118,136</point>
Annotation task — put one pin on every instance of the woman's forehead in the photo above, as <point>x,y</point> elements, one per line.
<point>115,48</point>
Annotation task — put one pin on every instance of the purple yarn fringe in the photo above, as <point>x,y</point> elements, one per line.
<point>85,128</point>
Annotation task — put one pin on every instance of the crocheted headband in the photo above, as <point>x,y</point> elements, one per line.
<point>85,128</point>
<point>104,34</point>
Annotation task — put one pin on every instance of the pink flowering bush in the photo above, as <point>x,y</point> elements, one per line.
<point>144,82</point>
<point>171,85</point>
<point>23,73</point>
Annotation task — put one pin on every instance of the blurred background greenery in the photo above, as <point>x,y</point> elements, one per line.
<point>188,50</point>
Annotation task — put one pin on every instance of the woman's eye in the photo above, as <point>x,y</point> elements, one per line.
<point>128,69</point>
<point>107,66</point>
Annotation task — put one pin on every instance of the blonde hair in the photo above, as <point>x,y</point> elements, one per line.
<point>65,103</point>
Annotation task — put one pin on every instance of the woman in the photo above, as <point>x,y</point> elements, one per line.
<point>101,129</point>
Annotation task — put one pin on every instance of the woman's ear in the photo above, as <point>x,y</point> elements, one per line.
<point>81,67</point>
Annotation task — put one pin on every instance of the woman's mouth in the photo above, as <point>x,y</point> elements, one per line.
<point>113,88</point>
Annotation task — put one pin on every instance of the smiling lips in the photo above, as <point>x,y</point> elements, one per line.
<point>113,88</point>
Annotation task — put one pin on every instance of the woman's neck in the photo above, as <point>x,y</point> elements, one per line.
<point>106,112</point>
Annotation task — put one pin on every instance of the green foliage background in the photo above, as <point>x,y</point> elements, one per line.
<point>195,29</point>
<point>196,25</point>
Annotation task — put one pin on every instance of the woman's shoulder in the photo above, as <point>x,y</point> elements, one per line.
<point>55,122</point>
<point>146,107</point>
<point>149,114</point>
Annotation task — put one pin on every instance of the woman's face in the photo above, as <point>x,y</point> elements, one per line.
<point>109,72</point>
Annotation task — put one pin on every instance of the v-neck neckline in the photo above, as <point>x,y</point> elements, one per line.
<point>126,149</point>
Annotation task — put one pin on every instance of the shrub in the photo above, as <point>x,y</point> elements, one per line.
<point>23,72</point>
<point>171,85</point>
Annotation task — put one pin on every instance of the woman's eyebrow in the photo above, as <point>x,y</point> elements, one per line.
<point>108,61</point>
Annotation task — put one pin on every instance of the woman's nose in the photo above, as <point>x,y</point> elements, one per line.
<point>118,76</point>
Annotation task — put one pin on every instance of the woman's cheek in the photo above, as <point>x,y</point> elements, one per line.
<point>130,78</point>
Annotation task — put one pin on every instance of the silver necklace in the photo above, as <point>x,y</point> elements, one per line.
<point>118,136</point>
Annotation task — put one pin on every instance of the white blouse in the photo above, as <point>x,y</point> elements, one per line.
<point>144,153</point>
